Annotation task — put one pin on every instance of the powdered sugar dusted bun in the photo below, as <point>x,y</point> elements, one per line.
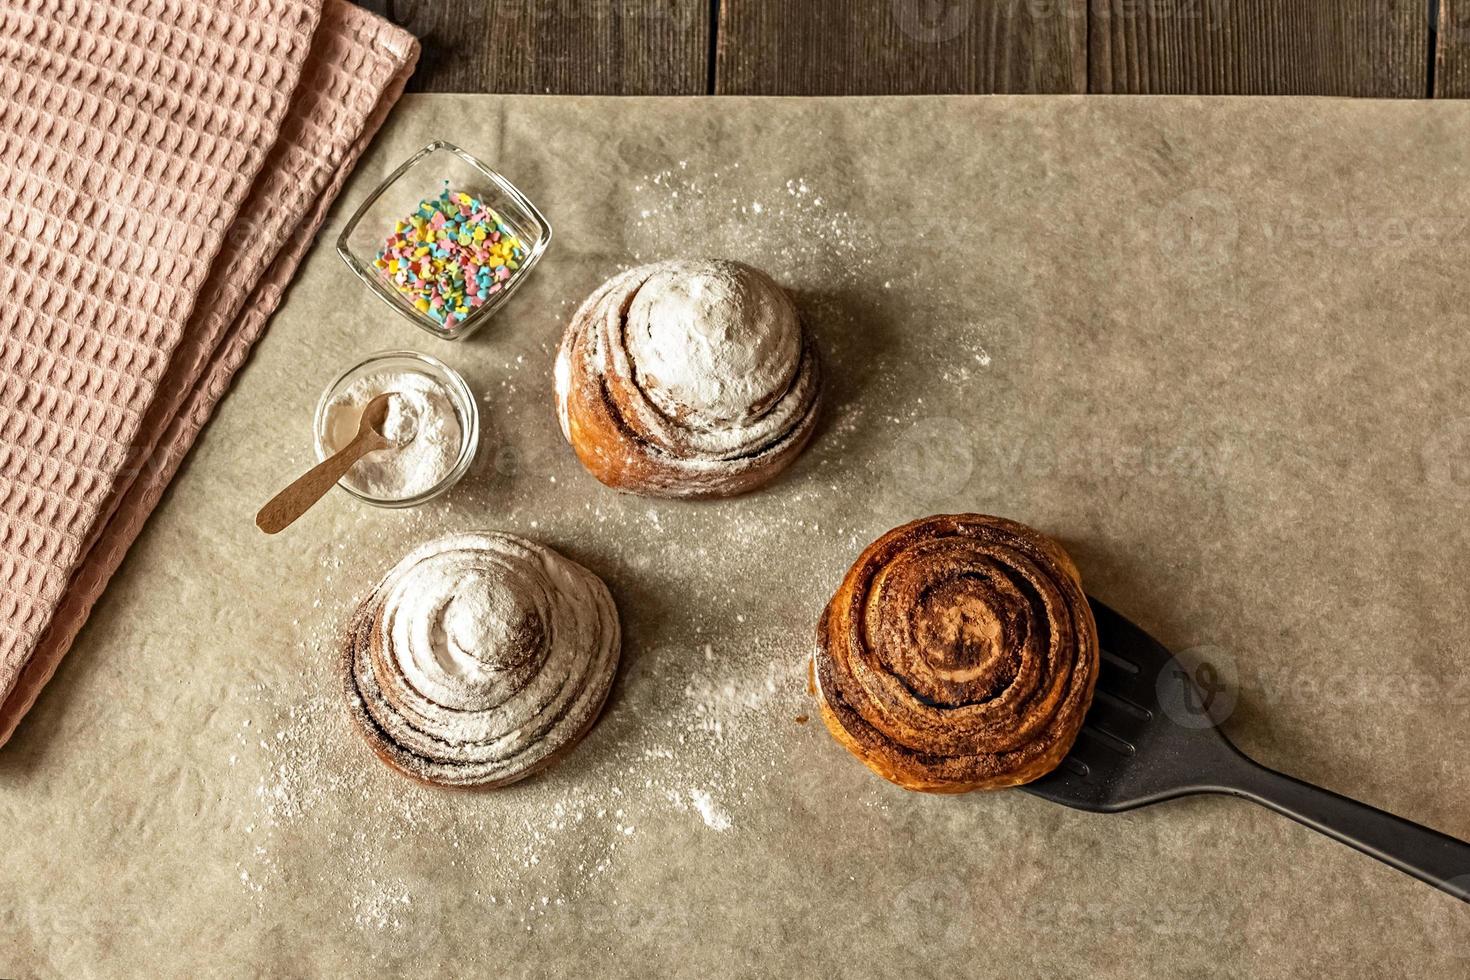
<point>690,378</point>
<point>480,658</point>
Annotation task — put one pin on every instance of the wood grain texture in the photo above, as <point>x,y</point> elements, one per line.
<point>571,47</point>
<point>1260,47</point>
<point>1452,50</point>
<point>889,47</point>
<point>846,47</point>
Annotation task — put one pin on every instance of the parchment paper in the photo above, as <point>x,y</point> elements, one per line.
<point>1219,348</point>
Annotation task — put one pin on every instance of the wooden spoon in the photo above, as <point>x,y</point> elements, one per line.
<point>295,500</point>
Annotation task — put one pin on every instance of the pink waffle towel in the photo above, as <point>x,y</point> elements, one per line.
<point>164,165</point>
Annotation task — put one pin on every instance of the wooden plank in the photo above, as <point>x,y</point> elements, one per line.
<point>574,47</point>
<point>1452,50</point>
<point>1260,47</point>
<point>886,47</point>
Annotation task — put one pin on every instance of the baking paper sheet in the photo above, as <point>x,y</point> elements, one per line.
<point>1218,348</point>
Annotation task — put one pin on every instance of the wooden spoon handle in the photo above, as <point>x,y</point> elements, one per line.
<point>283,509</point>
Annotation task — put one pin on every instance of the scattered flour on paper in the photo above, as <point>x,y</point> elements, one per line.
<point>702,717</point>
<point>702,748</point>
<point>789,230</point>
<point>714,817</point>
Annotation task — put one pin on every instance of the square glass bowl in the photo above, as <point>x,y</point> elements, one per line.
<point>423,176</point>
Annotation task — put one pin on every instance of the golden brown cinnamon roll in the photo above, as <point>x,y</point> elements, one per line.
<point>959,653</point>
<point>687,379</point>
<point>480,659</point>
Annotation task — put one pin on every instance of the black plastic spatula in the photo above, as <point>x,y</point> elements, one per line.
<point>1136,748</point>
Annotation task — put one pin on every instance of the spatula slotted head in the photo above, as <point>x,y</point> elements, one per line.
<point>1149,734</point>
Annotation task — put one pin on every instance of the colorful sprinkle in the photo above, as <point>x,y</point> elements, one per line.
<point>449,255</point>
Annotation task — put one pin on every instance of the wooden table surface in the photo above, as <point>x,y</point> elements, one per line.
<point>1372,48</point>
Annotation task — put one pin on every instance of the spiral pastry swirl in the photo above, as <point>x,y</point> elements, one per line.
<point>479,659</point>
<point>687,379</point>
<point>959,653</point>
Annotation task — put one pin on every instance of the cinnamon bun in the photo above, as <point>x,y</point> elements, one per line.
<point>480,659</point>
<point>959,653</point>
<point>687,379</point>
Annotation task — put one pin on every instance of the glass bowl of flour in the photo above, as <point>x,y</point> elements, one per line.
<point>432,420</point>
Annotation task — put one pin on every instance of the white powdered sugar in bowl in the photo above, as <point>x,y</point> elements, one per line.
<point>431,420</point>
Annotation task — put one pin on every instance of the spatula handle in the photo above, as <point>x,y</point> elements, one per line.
<point>1434,858</point>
